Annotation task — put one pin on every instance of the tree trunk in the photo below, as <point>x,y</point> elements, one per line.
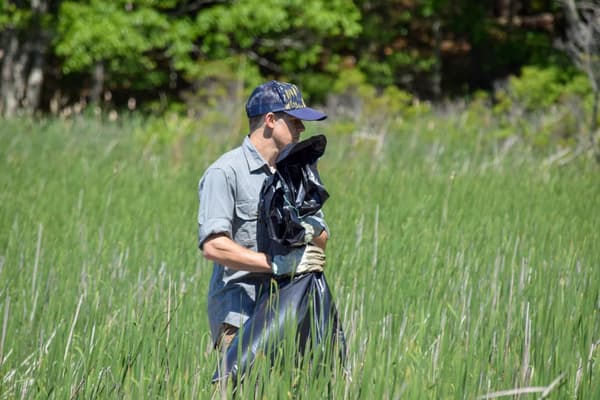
<point>437,71</point>
<point>24,62</point>
<point>594,124</point>
<point>38,47</point>
<point>9,99</point>
<point>19,76</point>
<point>504,8</point>
<point>97,84</point>
<point>35,80</point>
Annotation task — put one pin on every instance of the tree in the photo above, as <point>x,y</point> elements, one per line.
<point>295,39</point>
<point>583,45</point>
<point>84,50</point>
<point>25,34</point>
<point>117,43</point>
<point>159,46</point>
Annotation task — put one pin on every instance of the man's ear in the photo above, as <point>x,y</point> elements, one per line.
<point>270,120</point>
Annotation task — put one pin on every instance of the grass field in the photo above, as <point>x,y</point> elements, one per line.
<point>458,272</point>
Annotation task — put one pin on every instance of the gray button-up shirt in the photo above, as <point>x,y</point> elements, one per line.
<point>229,194</point>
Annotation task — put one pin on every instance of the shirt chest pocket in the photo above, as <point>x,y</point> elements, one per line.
<point>246,216</point>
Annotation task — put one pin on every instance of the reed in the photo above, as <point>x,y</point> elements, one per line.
<point>457,274</point>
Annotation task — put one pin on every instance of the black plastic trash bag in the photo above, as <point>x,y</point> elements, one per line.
<point>304,303</point>
<point>294,191</point>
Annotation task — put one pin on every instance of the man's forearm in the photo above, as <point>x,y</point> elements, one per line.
<point>223,250</point>
<point>321,240</point>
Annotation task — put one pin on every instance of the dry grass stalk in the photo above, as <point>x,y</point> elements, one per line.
<point>72,328</point>
<point>4,328</point>
<point>35,270</point>
<point>525,368</point>
<point>544,390</point>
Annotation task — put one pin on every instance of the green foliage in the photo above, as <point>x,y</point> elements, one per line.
<point>403,43</point>
<point>536,88</point>
<point>112,33</point>
<point>373,110</point>
<point>218,82</point>
<point>151,44</point>
<point>164,50</point>
<point>287,35</point>
<point>12,16</point>
<point>547,106</point>
<point>391,46</point>
<point>163,133</point>
<point>212,112</point>
<point>176,134</point>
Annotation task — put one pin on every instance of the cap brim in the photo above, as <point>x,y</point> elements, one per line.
<point>306,114</point>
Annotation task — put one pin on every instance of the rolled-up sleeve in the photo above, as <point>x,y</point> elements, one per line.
<point>215,213</point>
<point>320,218</point>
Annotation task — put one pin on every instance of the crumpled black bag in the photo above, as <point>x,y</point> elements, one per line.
<point>294,191</point>
<point>304,300</point>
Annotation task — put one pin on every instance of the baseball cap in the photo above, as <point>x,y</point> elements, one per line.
<point>277,96</point>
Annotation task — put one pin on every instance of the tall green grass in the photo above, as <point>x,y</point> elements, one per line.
<point>458,271</point>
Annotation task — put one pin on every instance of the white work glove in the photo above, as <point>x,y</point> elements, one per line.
<point>312,229</point>
<point>313,260</point>
<point>299,260</point>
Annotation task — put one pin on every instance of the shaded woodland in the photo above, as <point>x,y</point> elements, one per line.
<point>57,53</point>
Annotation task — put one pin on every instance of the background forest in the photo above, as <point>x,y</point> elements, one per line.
<point>520,58</point>
<point>55,53</point>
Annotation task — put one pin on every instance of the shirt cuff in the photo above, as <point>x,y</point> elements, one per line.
<point>213,227</point>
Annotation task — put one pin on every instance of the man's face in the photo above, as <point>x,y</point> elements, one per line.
<point>287,129</point>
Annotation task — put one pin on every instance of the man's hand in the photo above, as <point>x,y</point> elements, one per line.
<point>313,260</point>
<point>312,229</point>
<point>285,264</point>
<point>300,260</point>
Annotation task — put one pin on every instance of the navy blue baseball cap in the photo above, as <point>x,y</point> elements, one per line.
<point>277,96</point>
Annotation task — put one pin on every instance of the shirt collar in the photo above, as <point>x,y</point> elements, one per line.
<point>253,157</point>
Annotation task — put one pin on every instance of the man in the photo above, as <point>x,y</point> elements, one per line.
<point>229,193</point>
